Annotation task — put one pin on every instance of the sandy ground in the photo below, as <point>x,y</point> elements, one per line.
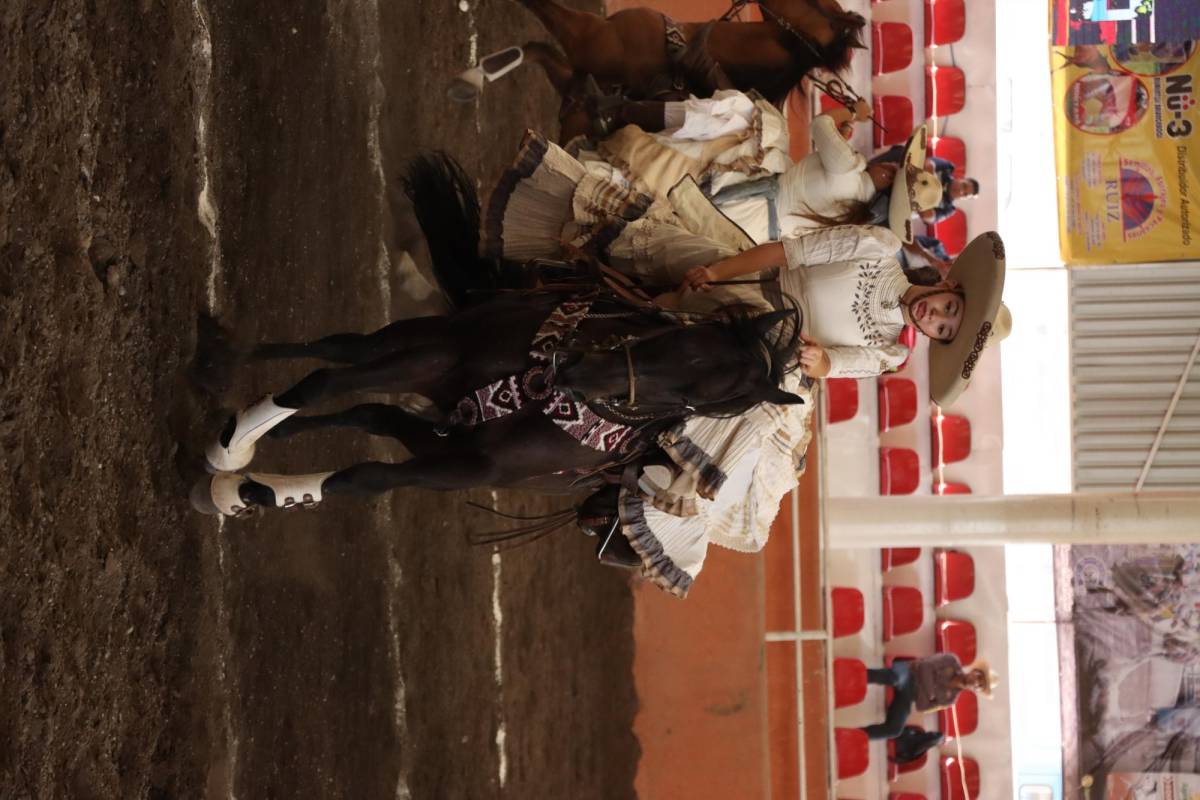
<point>164,159</point>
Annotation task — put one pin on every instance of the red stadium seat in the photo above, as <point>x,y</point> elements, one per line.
<point>891,47</point>
<point>945,21</point>
<point>950,438</point>
<point>895,113</point>
<point>945,90</point>
<point>849,682</point>
<point>888,691</point>
<point>966,711</point>
<point>908,338</point>
<point>953,576</point>
<point>953,150</point>
<point>828,103</point>
<point>853,752</point>
<point>897,403</point>
<point>951,488</point>
<point>841,399</point>
<point>896,770</point>
<point>892,557</point>
<point>958,637</point>
<point>955,773</point>
<point>952,231</point>
<point>848,610</point>
<point>903,611</point>
<point>899,470</point>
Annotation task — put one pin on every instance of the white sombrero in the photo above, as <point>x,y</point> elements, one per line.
<point>914,188</point>
<point>979,272</point>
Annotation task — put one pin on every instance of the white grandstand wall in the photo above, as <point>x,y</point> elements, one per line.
<point>851,456</point>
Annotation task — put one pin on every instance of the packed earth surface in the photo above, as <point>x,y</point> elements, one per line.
<point>168,169</point>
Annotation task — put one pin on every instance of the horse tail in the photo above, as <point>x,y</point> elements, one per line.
<point>447,209</point>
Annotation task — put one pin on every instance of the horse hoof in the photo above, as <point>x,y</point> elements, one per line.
<point>218,459</point>
<point>235,448</point>
<point>218,496</point>
<point>467,86</point>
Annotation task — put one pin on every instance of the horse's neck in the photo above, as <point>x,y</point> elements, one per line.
<point>809,17</point>
<point>750,45</point>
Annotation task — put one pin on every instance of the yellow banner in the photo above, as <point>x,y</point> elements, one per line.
<point>1126,138</point>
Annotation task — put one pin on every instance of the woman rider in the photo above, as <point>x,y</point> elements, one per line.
<point>728,476</point>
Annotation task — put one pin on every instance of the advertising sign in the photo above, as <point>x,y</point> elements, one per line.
<point>1126,130</point>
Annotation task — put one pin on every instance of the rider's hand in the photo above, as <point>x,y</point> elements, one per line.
<point>814,361</point>
<point>698,278</point>
<point>862,110</point>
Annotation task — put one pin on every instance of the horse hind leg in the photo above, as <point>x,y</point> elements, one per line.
<point>616,50</point>
<point>558,70</point>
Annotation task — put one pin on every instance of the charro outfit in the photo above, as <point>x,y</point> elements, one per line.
<point>736,147</point>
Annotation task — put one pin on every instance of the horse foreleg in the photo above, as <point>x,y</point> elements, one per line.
<point>415,370</point>
<point>443,472</point>
<point>356,348</point>
<point>378,419</point>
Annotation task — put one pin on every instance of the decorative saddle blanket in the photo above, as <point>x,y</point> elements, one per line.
<point>535,386</point>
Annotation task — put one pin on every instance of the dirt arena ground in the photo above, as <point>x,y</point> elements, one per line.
<point>164,160</point>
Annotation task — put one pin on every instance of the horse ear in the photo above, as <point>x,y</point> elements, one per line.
<point>779,397</point>
<point>763,323</point>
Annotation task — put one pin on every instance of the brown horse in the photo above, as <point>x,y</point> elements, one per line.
<point>644,55</point>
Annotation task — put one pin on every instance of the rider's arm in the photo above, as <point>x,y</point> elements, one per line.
<point>864,362</point>
<point>747,262</point>
<point>840,243</point>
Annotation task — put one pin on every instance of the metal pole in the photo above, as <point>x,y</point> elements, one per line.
<point>1124,518</point>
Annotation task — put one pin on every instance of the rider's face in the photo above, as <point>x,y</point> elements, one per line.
<point>882,175</point>
<point>938,315</point>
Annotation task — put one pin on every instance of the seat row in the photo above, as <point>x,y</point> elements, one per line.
<point>958,779</point>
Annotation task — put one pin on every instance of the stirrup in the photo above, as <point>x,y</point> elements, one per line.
<point>469,83</point>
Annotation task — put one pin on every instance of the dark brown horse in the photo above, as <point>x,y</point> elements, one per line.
<point>641,54</point>
<point>545,385</point>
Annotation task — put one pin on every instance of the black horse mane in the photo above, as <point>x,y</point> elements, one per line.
<point>774,349</point>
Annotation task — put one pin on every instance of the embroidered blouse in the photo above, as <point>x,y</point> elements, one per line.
<point>849,284</point>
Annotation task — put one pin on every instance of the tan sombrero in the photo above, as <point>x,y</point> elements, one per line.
<point>993,680</point>
<point>914,189</point>
<point>979,272</point>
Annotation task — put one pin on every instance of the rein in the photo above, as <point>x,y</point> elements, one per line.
<point>834,87</point>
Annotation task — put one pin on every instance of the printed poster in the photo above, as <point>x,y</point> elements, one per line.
<point>1126,130</point>
<point>1076,22</point>
<point>1153,786</point>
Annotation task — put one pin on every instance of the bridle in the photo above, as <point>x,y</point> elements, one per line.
<point>836,88</point>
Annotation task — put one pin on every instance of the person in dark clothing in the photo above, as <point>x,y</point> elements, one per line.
<point>913,742</point>
<point>925,684</point>
<point>953,189</point>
